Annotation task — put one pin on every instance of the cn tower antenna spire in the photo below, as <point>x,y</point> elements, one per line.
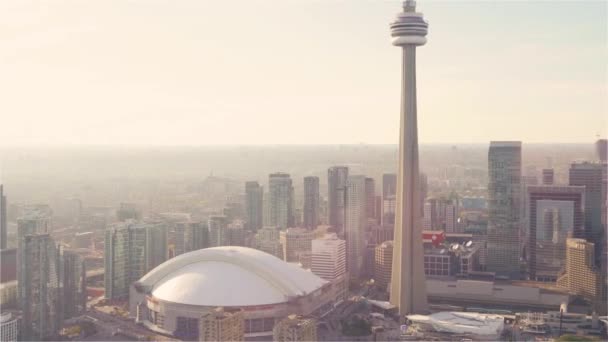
<point>409,6</point>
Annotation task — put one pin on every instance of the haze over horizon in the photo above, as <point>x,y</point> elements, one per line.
<point>297,73</point>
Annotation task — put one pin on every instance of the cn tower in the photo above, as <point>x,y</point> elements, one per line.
<point>408,285</point>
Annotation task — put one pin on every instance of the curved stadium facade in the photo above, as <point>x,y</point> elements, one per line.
<point>172,297</point>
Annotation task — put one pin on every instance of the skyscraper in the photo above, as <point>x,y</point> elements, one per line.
<point>408,288</point>
<point>254,205</point>
<point>73,282</point>
<point>280,206</point>
<point>39,287</point>
<point>592,177</point>
<point>311,202</point>
<point>355,223</point>
<point>555,213</point>
<point>504,199</point>
<point>117,277</point>
<point>132,249</point>
<point>336,184</point>
<point>3,227</point>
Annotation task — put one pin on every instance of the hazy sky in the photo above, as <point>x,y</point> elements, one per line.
<point>297,72</point>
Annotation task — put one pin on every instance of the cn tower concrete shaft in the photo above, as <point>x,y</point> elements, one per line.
<point>408,284</point>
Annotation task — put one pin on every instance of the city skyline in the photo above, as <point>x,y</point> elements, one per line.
<point>174,70</point>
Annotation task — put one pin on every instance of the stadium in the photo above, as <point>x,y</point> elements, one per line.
<point>172,297</point>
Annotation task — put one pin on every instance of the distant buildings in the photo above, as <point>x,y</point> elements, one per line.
<point>268,240</point>
<point>328,259</point>
<point>336,185</point>
<point>280,206</point>
<point>190,236</point>
<point>295,328</point>
<point>218,231</point>
<point>355,223</point>
<point>431,215</point>
<point>311,202</point>
<point>370,201</point>
<point>548,177</point>
<point>601,149</point>
<point>222,324</point>
<point>131,250</point>
<point>555,213</point>
<point>504,200</point>
<point>254,205</point>
<point>295,242</point>
<point>383,261</point>
<point>389,186</point>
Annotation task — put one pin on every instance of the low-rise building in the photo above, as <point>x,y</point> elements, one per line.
<point>295,328</point>
<point>222,324</point>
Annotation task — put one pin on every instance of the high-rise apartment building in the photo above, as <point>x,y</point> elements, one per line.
<point>132,249</point>
<point>254,205</point>
<point>294,328</point>
<point>72,272</point>
<point>383,263</point>
<point>117,277</point>
<point>548,176</point>
<point>336,186</point>
<point>328,259</point>
<point>222,324</point>
<point>295,241</point>
<point>504,200</point>
<point>218,231</point>
<point>355,223</point>
<point>370,193</point>
<point>3,224</point>
<point>39,287</point>
<point>311,202</point>
<point>555,213</point>
<point>280,201</point>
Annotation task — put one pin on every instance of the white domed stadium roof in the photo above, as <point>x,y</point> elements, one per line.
<point>229,276</point>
